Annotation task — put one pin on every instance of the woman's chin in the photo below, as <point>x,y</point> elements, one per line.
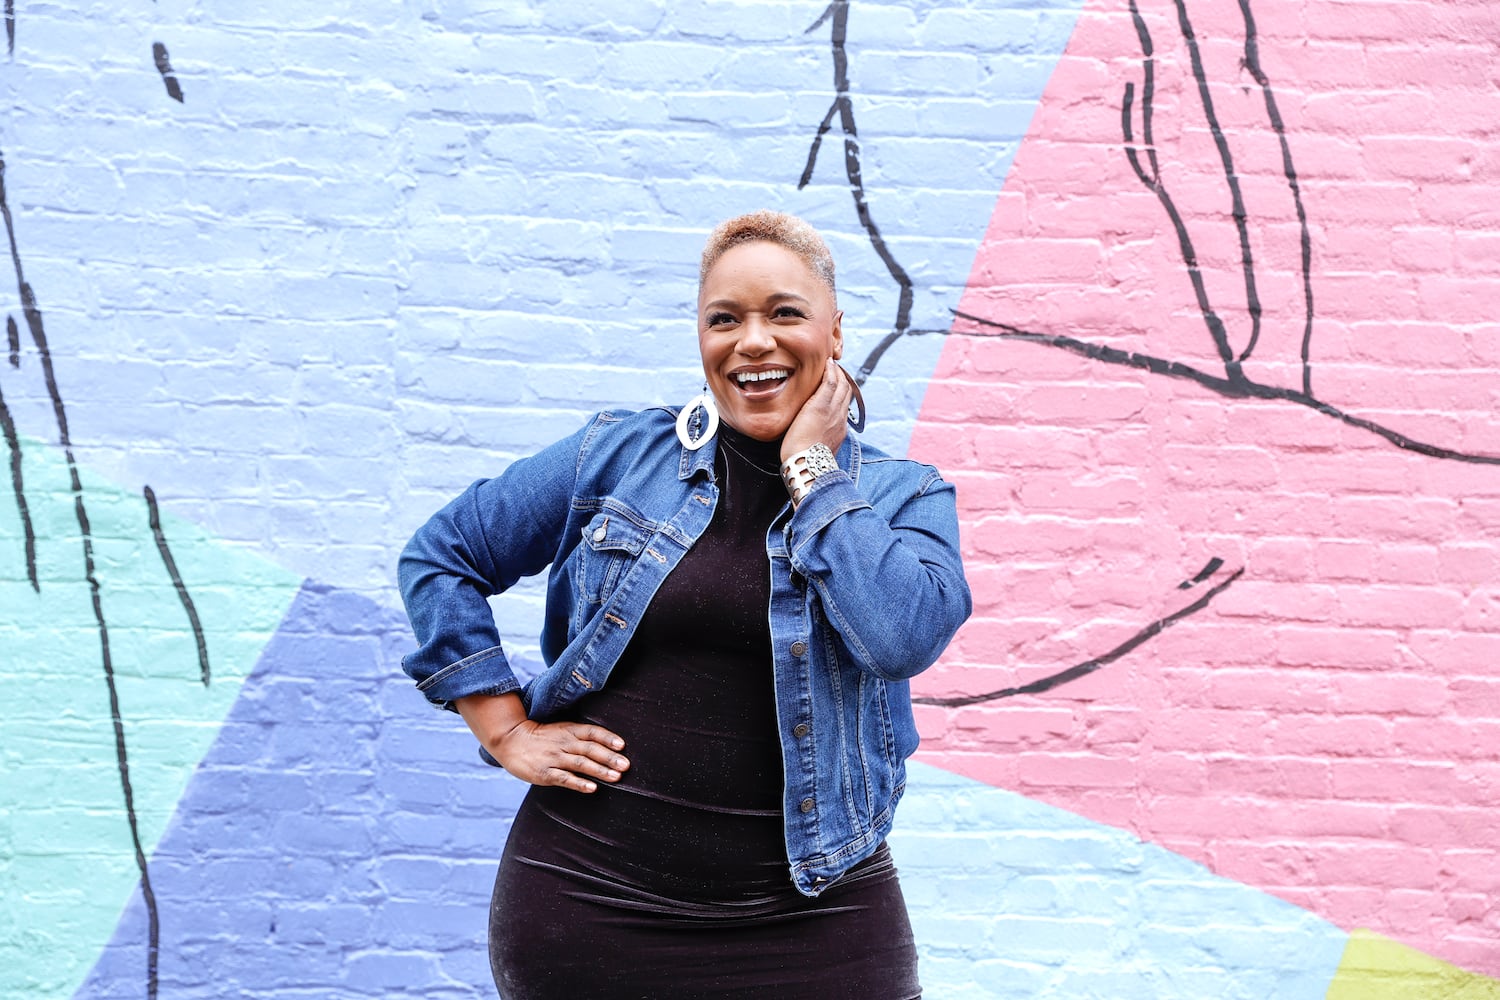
<point>759,426</point>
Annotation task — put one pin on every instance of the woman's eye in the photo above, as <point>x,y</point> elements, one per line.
<point>788,312</point>
<point>719,319</point>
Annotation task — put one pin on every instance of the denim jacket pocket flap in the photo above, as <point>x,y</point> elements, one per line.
<point>609,532</point>
<point>611,545</point>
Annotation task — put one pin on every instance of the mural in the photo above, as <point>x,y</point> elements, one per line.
<point>1236,411</point>
<point>1194,299</point>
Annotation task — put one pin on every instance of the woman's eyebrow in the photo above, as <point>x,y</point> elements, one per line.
<point>723,303</point>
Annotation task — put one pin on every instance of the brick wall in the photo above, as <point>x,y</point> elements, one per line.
<point>1226,720</point>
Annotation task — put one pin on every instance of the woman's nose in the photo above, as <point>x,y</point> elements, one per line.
<point>756,337</point>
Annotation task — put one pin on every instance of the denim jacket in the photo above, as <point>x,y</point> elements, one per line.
<point>866,590</point>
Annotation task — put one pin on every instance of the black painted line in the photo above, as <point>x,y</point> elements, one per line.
<point>843,107</point>
<point>812,154</point>
<point>1148,83</point>
<point>28,532</point>
<point>1289,170</point>
<point>164,67</point>
<point>1127,106</point>
<point>1088,666</point>
<point>10,27</point>
<point>34,323</point>
<point>1148,95</point>
<point>1226,160</point>
<point>154,517</point>
<point>1237,388</point>
<point>122,756</point>
<point>1209,569</point>
<point>840,68</point>
<point>1235,385</point>
<point>822,19</point>
<point>13,341</point>
<point>1153,183</point>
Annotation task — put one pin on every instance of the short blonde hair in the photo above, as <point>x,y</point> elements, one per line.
<point>779,228</point>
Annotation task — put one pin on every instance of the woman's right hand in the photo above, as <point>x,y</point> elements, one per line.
<point>561,753</point>
<point>574,755</point>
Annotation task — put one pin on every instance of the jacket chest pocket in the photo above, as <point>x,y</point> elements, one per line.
<point>611,545</point>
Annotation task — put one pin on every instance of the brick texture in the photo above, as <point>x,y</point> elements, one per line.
<point>379,250</point>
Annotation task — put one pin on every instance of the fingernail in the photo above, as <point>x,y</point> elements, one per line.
<point>618,744</point>
<point>589,786</point>
<point>620,762</point>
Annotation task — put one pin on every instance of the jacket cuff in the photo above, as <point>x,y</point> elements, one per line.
<point>834,496</point>
<point>484,672</point>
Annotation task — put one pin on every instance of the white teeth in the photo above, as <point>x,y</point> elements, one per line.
<point>744,377</point>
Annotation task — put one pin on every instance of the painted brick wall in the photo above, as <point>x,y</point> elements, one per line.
<point>1194,300</point>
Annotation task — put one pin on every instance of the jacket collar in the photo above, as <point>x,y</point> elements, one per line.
<point>694,462</point>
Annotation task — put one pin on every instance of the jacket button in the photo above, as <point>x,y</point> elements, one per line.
<point>806,805</point>
<point>801,730</point>
<point>799,648</point>
<point>599,534</point>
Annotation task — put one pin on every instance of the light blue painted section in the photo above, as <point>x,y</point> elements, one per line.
<point>1012,899</point>
<point>503,308</point>
<point>339,839</point>
<point>67,864</point>
<point>380,251</point>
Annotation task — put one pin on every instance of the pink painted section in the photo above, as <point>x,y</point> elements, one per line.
<point>1328,728</point>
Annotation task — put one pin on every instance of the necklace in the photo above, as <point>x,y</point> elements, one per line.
<point>724,439</point>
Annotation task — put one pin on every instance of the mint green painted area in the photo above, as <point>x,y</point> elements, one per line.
<point>67,865</point>
<point>1012,898</point>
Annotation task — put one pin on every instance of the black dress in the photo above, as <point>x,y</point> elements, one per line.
<point>674,882</point>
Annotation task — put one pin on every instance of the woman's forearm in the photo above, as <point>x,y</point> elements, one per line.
<point>491,717</point>
<point>894,589</point>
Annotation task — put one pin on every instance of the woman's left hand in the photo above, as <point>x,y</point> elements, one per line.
<point>823,417</point>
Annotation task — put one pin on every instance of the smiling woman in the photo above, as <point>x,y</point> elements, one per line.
<point>768,323</point>
<point>728,650</point>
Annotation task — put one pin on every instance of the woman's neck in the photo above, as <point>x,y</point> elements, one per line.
<point>764,455</point>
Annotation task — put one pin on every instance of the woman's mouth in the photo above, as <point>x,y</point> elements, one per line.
<point>760,383</point>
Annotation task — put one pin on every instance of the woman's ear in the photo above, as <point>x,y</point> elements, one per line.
<point>838,334</point>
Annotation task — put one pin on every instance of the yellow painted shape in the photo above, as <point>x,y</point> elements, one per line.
<point>1377,968</point>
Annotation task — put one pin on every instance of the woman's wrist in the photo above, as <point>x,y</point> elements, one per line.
<point>801,470</point>
<point>492,718</point>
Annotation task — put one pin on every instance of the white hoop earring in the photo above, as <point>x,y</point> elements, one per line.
<point>705,402</point>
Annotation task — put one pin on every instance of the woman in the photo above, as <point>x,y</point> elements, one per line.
<point>716,746</point>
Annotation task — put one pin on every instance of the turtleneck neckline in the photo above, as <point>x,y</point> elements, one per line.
<point>764,454</point>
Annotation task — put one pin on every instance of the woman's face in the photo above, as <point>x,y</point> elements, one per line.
<point>767,326</point>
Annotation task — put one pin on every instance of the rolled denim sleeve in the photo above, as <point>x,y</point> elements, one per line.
<point>893,588</point>
<point>483,541</point>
